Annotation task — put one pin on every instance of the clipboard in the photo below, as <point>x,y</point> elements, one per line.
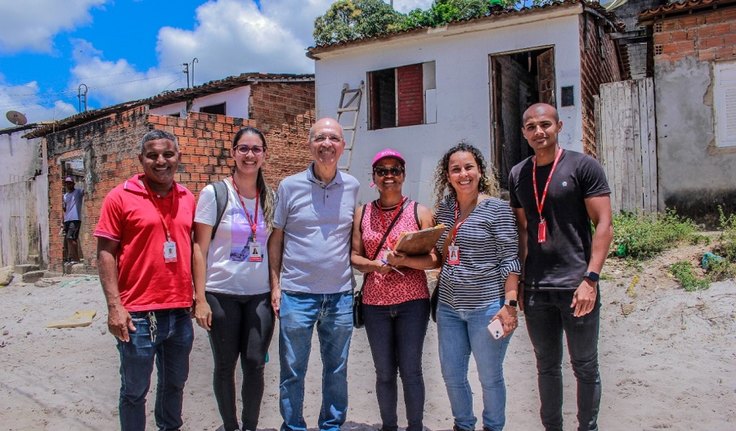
<point>419,242</point>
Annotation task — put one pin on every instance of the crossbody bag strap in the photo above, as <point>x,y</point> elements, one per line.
<point>385,236</point>
<point>388,230</point>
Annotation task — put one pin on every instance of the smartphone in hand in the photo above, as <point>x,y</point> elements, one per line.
<point>496,328</point>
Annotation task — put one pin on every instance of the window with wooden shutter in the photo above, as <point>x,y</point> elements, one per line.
<point>724,103</point>
<point>400,96</point>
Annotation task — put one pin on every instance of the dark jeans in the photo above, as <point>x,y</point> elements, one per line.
<point>169,342</point>
<point>396,336</point>
<point>242,327</point>
<point>547,315</point>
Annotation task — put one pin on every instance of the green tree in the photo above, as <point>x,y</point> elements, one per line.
<point>355,19</point>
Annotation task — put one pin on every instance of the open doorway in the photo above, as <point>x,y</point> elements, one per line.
<point>72,178</point>
<point>518,79</point>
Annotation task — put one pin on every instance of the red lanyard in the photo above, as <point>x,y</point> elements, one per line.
<point>158,210</point>
<point>457,225</point>
<point>253,221</point>
<point>540,204</point>
<point>385,223</point>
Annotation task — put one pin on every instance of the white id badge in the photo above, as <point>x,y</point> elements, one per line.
<point>169,251</point>
<point>255,254</point>
<point>453,255</point>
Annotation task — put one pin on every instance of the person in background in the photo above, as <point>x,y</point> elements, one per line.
<point>144,251</point>
<point>556,195</point>
<point>395,294</point>
<point>232,292</point>
<point>477,284</point>
<point>72,206</point>
<point>311,277</point>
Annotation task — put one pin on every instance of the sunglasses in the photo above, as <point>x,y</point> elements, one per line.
<point>243,149</point>
<point>382,172</point>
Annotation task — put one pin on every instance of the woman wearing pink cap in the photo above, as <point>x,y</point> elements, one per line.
<point>395,294</point>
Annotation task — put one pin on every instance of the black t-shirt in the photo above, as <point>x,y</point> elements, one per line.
<point>561,261</point>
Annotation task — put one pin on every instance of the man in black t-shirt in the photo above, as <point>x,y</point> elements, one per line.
<point>556,194</point>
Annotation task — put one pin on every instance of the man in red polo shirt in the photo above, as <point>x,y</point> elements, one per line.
<point>144,260</point>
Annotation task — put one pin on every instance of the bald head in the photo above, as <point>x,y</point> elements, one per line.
<point>539,110</point>
<point>325,123</point>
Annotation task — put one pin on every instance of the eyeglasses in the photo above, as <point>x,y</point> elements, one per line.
<point>243,149</point>
<point>322,138</point>
<point>382,172</point>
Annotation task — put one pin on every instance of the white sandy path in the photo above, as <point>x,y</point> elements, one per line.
<point>670,364</point>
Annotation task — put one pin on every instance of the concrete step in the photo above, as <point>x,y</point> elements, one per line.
<point>33,276</point>
<point>26,267</point>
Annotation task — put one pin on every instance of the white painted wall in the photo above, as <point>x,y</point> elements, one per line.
<point>463,93</point>
<point>236,101</point>
<point>20,158</point>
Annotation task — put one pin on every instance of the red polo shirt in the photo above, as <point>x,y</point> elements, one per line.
<point>129,216</point>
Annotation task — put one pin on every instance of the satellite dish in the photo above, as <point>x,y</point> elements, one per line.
<point>16,118</point>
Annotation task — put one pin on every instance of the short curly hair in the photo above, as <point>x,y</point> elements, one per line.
<point>442,187</point>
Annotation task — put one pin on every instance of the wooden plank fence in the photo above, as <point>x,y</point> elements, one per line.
<point>627,143</point>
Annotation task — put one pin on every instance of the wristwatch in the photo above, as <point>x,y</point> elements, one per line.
<point>511,302</point>
<point>592,276</point>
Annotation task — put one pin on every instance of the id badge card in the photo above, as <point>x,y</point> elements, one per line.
<point>169,251</point>
<point>453,255</point>
<point>542,231</point>
<point>255,252</point>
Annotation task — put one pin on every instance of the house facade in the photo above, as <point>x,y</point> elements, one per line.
<point>694,69</point>
<point>427,89</point>
<point>100,148</point>
<point>24,228</point>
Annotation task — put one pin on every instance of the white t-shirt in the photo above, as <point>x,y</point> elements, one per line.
<point>224,274</point>
<point>72,201</point>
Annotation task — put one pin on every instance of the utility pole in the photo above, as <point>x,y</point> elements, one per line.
<point>82,96</point>
<point>186,72</point>
<point>194,61</point>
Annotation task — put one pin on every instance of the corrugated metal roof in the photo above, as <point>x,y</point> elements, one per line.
<point>169,97</point>
<point>496,14</point>
<point>682,7</point>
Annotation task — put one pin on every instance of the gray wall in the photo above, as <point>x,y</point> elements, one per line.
<point>695,176</point>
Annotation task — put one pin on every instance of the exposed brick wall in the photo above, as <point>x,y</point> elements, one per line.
<point>707,35</point>
<point>110,148</point>
<point>599,64</point>
<point>411,95</point>
<point>273,104</point>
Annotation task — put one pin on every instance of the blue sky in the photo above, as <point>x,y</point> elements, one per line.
<point>129,49</point>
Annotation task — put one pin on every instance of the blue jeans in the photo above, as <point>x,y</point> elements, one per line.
<point>396,336</point>
<point>460,333</point>
<point>169,345</point>
<point>547,315</point>
<point>333,316</point>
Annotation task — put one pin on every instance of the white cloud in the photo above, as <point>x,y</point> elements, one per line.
<point>111,82</point>
<point>26,98</point>
<point>228,37</point>
<point>231,37</point>
<point>31,25</point>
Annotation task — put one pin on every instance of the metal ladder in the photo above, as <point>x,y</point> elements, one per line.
<point>350,99</point>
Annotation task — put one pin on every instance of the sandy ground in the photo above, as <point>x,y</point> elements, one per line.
<point>668,362</point>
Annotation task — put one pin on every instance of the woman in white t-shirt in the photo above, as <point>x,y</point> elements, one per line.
<point>230,269</point>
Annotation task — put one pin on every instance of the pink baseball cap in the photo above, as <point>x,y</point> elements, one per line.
<point>68,180</point>
<point>388,152</point>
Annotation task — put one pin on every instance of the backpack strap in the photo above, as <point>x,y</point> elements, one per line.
<point>221,200</point>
